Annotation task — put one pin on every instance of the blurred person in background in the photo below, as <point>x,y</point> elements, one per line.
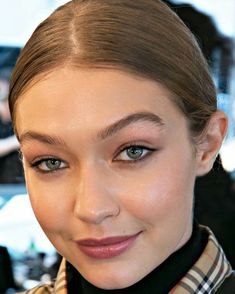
<point>6,271</point>
<point>217,48</point>
<point>11,170</point>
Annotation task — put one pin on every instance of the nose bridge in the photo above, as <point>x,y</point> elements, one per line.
<point>94,202</point>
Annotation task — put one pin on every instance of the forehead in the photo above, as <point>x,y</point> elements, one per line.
<point>91,98</point>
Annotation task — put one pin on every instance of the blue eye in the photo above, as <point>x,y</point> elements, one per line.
<point>49,164</point>
<point>133,153</point>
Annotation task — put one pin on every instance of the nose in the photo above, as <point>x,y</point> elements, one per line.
<point>94,200</point>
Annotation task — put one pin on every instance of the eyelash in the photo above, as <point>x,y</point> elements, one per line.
<point>36,164</point>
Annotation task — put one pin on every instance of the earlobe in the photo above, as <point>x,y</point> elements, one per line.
<point>211,141</point>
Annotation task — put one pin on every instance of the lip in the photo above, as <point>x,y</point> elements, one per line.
<point>106,247</point>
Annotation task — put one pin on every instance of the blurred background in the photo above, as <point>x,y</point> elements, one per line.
<point>26,256</point>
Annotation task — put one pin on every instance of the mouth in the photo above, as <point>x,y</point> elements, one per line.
<point>107,247</point>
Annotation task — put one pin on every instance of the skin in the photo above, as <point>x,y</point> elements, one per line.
<point>98,191</point>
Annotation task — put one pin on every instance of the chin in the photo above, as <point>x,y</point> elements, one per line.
<point>112,283</point>
<point>113,279</point>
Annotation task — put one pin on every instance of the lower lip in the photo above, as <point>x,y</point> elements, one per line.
<point>108,251</point>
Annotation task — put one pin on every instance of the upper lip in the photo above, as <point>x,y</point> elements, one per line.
<point>105,241</point>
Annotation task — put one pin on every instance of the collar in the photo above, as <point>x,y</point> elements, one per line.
<point>208,273</point>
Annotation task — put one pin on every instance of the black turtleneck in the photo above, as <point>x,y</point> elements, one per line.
<point>161,280</point>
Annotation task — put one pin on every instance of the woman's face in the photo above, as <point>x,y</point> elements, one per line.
<point>110,170</point>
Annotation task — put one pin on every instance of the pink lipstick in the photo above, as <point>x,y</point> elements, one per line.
<point>107,247</point>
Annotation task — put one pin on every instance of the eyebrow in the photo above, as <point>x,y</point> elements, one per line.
<point>130,119</point>
<point>103,134</point>
<point>43,138</point>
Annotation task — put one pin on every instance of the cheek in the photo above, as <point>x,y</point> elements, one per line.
<point>50,202</point>
<point>162,194</point>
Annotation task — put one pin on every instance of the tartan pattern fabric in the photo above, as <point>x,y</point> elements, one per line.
<point>205,276</point>
<point>208,273</point>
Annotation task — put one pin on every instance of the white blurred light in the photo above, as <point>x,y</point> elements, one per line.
<point>228,155</point>
<point>18,226</point>
<point>18,19</point>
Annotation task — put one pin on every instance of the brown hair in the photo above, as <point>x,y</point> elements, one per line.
<point>141,36</point>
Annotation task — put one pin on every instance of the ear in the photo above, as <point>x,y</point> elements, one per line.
<point>210,142</point>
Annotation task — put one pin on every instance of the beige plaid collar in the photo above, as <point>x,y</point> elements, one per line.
<point>206,275</point>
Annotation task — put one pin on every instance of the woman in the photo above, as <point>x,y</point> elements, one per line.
<point>116,116</point>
